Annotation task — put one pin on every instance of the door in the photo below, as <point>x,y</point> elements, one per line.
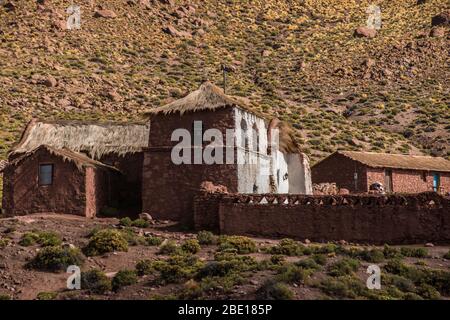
<point>388,180</point>
<point>436,181</point>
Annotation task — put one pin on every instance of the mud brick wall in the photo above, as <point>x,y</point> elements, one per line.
<point>23,195</point>
<point>206,211</point>
<point>341,169</point>
<point>376,219</point>
<point>168,190</point>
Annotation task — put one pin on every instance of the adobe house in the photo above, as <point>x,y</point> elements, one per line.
<point>357,171</point>
<point>55,180</point>
<point>77,153</point>
<point>168,188</point>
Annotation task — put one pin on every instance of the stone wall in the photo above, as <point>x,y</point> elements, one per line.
<point>375,219</point>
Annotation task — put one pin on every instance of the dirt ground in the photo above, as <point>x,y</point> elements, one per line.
<point>19,282</point>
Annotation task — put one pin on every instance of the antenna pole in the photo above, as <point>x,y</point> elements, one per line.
<point>224,69</point>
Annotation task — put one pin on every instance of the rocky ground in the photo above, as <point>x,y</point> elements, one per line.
<point>226,268</point>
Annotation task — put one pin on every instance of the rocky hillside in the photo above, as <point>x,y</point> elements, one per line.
<point>299,60</point>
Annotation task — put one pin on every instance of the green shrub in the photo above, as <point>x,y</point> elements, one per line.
<point>292,274</point>
<point>277,259</point>
<point>140,223</point>
<point>47,295</point>
<point>320,259</point>
<point>56,258</point>
<point>391,253</point>
<point>308,264</point>
<point>95,281</point>
<point>428,292</point>
<point>124,278</point>
<point>343,267</point>
<point>344,287</point>
<point>414,252</point>
<point>5,297</point>
<point>206,238</point>
<point>328,248</point>
<point>4,243</point>
<point>191,246</point>
<point>131,237</point>
<point>126,222</point>
<point>412,296</point>
<point>178,268</point>
<point>45,239</point>
<point>273,290</point>
<point>28,239</point>
<point>105,241</point>
<point>215,269</point>
<point>144,267</point>
<point>169,247</point>
<point>287,247</point>
<point>243,245</point>
<point>153,241</point>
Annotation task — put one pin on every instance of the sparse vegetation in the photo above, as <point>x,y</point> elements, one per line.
<point>343,267</point>
<point>273,290</point>
<point>124,278</point>
<point>206,238</point>
<point>105,241</point>
<point>243,245</point>
<point>144,267</point>
<point>56,259</point>
<point>45,239</point>
<point>47,295</point>
<point>95,281</point>
<point>191,246</point>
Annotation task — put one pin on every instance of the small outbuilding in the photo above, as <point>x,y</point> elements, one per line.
<point>56,180</point>
<point>358,171</point>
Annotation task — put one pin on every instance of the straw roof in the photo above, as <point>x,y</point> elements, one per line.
<point>80,160</point>
<point>207,97</point>
<point>398,161</point>
<point>95,139</point>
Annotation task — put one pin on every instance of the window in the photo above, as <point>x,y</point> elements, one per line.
<point>255,138</point>
<point>436,181</point>
<point>45,174</point>
<point>244,136</point>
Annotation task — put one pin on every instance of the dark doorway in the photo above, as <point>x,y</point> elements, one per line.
<point>388,180</point>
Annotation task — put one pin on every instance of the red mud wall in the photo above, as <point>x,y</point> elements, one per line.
<point>364,219</point>
<point>168,190</point>
<point>23,195</point>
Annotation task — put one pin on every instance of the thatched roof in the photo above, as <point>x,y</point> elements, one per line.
<point>398,161</point>
<point>80,160</point>
<point>95,139</point>
<point>3,164</point>
<point>207,97</point>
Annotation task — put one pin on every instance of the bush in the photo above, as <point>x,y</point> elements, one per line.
<point>124,278</point>
<point>243,245</point>
<point>153,241</point>
<point>95,281</point>
<point>4,243</point>
<point>4,297</point>
<point>105,241</point>
<point>328,248</point>
<point>215,269</point>
<point>344,287</point>
<point>308,264</point>
<point>47,295</point>
<point>288,247</point>
<point>126,222</point>
<point>292,274</point>
<point>169,247</point>
<point>320,259</point>
<point>277,259</point>
<point>428,292</point>
<point>273,290</point>
<point>144,267</point>
<point>391,253</point>
<point>343,267</point>
<point>56,258</point>
<point>414,252</point>
<point>45,239</point>
<point>140,223</point>
<point>206,238</point>
<point>191,246</point>
<point>28,239</point>
<point>178,268</point>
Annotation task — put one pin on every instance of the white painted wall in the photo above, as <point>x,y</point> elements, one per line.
<point>291,172</point>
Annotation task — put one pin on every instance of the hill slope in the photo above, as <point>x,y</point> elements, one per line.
<point>298,60</point>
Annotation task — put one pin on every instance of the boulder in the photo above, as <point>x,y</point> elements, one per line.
<point>105,13</point>
<point>176,33</point>
<point>438,32</point>
<point>442,19</point>
<point>365,32</point>
<point>50,82</point>
<point>209,187</point>
<point>145,216</point>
